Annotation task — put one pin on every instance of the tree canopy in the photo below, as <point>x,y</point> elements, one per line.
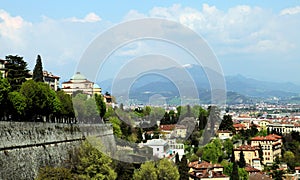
<point>38,70</point>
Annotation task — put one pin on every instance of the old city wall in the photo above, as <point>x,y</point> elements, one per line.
<point>25,147</point>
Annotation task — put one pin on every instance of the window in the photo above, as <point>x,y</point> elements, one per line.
<point>157,149</point>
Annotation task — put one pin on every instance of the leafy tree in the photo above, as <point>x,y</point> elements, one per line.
<point>177,161</point>
<point>203,114</point>
<point>38,70</point>
<point>100,105</point>
<point>146,172</point>
<point>51,173</point>
<point>116,126</point>
<point>228,147</point>
<point>166,170</point>
<point>212,151</point>
<point>124,170</point>
<point>67,112</point>
<point>93,164</point>
<point>17,71</point>
<point>17,105</point>
<point>242,162</point>
<point>289,158</point>
<point>5,88</point>
<point>228,166</point>
<point>243,174</point>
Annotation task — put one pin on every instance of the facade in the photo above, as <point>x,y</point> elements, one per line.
<point>180,131</point>
<point>271,146</point>
<point>283,128</point>
<point>51,80</point>
<point>2,68</point>
<point>224,134</point>
<point>79,82</point>
<point>160,147</point>
<point>205,170</point>
<point>251,155</point>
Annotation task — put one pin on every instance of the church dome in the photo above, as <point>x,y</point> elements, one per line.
<point>78,76</point>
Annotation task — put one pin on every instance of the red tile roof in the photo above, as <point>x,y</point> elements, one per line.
<point>239,126</point>
<point>168,127</point>
<point>297,168</point>
<point>246,148</point>
<point>270,137</point>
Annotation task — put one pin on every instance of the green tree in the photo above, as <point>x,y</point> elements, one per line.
<point>166,170</point>
<point>228,147</point>
<point>17,105</point>
<point>93,164</point>
<point>51,173</point>
<point>116,123</point>
<point>242,162</point>
<point>38,70</point>
<point>17,71</point>
<point>243,174</point>
<point>260,153</point>
<point>100,105</point>
<point>5,88</point>
<point>183,169</point>
<point>227,123</point>
<point>67,111</point>
<point>235,171</point>
<point>147,171</point>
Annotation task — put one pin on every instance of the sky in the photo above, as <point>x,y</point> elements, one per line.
<point>257,39</point>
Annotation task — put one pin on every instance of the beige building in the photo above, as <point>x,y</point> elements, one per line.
<point>224,134</point>
<point>251,155</point>
<point>263,124</point>
<point>51,80</point>
<point>79,82</point>
<point>271,146</point>
<point>205,170</point>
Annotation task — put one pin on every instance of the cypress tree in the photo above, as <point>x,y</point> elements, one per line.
<point>261,154</point>
<point>235,172</point>
<point>242,162</point>
<point>38,70</point>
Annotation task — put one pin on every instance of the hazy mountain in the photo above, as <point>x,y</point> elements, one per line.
<point>185,81</point>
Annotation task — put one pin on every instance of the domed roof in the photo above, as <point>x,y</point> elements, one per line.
<point>78,76</point>
<point>96,86</point>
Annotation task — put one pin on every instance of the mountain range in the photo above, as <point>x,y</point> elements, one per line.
<point>187,80</point>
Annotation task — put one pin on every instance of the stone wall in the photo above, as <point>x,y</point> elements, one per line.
<point>25,147</point>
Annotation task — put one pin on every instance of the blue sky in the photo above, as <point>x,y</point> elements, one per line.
<point>258,39</point>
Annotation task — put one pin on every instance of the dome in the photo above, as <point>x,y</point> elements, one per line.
<point>96,86</point>
<point>78,76</point>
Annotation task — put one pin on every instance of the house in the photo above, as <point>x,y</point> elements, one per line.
<point>2,68</point>
<point>174,148</point>
<point>238,127</point>
<point>205,170</point>
<point>251,169</point>
<point>263,124</point>
<point>271,146</point>
<point>166,130</point>
<point>79,82</point>
<point>51,80</point>
<point>160,147</point>
<point>180,131</point>
<point>224,134</point>
<point>283,128</point>
<point>251,155</point>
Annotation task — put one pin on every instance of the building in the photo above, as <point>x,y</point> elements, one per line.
<point>283,128</point>
<point>271,146</point>
<point>238,127</point>
<point>180,131</point>
<point>160,147</point>
<point>51,80</point>
<point>2,68</point>
<point>79,82</point>
<point>205,170</point>
<point>251,155</point>
<point>224,134</point>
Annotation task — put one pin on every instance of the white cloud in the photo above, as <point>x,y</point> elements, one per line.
<point>290,11</point>
<point>89,18</point>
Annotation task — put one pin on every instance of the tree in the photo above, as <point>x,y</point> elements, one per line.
<point>38,70</point>
<point>243,174</point>
<point>260,153</point>
<point>166,170</point>
<point>177,161</point>
<point>146,172</point>
<point>93,164</point>
<point>49,173</point>
<point>228,147</point>
<point>100,105</point>
<point>212,151</point>
<point>17,71</point>
<point>5,88</point>
<point>227,123</point>
<point>17,105</point>
<point>183,169</point>
<point>242,162</point>
<point>235,171</point>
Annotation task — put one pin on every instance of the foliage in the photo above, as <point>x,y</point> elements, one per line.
<point>213,151</point>
<point>17,71</point>
<point>51,173</point>
<point>243,174</point>
<point>164,169</point>
<point>235,171</point>
<point>17,104</point>
<point>38,70</point>
<point>101,106</point>
<point>228,166</point>
<point>183,169</point>
<point>228,147</point>
<point>93,164</point>
<point>227,123</point>
<point>116,126</point>
<point>5,88</point>
<point>242,162</point>
<point>260,153</point>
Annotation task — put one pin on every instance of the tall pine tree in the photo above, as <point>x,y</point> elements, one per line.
<point>242,162</point>
<point>38,70</point>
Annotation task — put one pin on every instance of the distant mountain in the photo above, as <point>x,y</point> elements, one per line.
<point>178,81</point>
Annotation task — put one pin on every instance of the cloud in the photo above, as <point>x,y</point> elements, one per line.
<point>290,11</point>
<point>89,18</point>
